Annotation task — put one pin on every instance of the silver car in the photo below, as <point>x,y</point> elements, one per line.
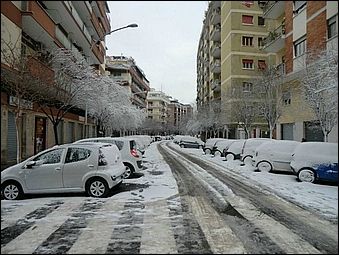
<point>91,168</point>
<point>129,152</point>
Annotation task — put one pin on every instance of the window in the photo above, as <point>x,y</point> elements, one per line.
<point>261,64</point>
<point>287,98</point>
<point>77,154</point>
<point>247,87</point>
<point>51,157</point>
<point>331,27</point>
<point>298,6</point>
<point>247,20</point>
<point>247,41</point>
<point>247,64</point>
<point>261,21</point>
<point>116,74</point>
<point>299,47</point>
<point>260,42</point>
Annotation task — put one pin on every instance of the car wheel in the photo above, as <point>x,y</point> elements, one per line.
<point>230,156</point>
<point>129,171</point>
<point>264,166</point>
<point>217,154</point>
<point>208,151</point>
<point>307,175</point>
<point>12,191</point>
<point>97,187</point>
<point>247,160</point>
<point>182,146</point>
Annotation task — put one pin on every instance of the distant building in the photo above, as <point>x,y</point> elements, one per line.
<point>172,114</point>
<point>178,114</point>
<point>157,106</point>
<point>124,71</point>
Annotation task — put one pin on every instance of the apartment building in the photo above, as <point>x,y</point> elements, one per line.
<point>169,112</point>
<point>240,38</point>
<point>41,26</point>
<point>124,71</point>
<point>178,115</point>
<point>300,27</point>
<point>157,106</point>
<point>229,56</point>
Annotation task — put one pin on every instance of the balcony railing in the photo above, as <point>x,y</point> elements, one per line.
<point>216,49</point>
<point>273,9</point>
<point>216,83</point>
<point>215,34</point>
<point>275,39</point>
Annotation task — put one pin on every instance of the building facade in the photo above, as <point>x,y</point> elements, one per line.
<point>41,26</point>
<point>169,112</point>
<point>239,39</point>
<point>229,56</point>
<point>300,27</point>
<point>178,115</point>
<point>124,71</point>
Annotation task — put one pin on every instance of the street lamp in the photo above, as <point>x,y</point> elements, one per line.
<point>120,28</point>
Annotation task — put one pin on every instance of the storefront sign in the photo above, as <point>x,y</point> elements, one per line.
<point>26,104</point>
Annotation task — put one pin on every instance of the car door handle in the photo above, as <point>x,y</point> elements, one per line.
<point>58,168</point>
<point>90,166</point>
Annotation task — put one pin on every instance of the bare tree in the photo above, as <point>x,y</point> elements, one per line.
<point>319,87</point>
<point>244,110</point>
<point>269,95</point>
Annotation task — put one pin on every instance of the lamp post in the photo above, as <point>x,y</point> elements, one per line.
<point>115,30</point>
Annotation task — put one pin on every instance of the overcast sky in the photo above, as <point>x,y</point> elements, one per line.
<point>164,45</point>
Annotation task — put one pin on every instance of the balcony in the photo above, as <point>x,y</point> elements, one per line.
<point>38,24</point>
<point>275,41</point>
<point>215,16</point>
<point>216,66</point>
<point>216,50</point>
<point>207,62</point>
<point>273,9</point>
<point>280,69</point>
<point>206,48</point>
<point>216,85</point>
<point>121,80</point>
<point>205,34</point>
<point>215,34</point>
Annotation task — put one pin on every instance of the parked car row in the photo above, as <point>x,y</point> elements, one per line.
<point>309,161</point>
<point>92,165</point>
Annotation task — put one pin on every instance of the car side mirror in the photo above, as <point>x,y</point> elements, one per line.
<point>29,164</point>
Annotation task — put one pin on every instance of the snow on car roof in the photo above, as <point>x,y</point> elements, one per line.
<point>317,152</point>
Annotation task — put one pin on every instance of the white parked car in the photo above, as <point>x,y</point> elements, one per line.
<point>220,147</point>
<point>274,155</point>
<point>131,158</point>
<point>91,168</point>
<point>233,151</point>
<point>250,145</point>
<point>209,144</point>
<point>315,161</point>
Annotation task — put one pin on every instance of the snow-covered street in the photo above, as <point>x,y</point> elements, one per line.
<point>142,214</point>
